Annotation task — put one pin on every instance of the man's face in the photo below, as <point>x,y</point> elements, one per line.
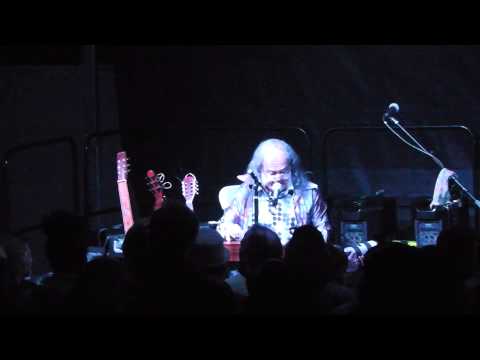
<point>275,168</point>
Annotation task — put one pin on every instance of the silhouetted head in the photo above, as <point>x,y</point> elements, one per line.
<point>459,247</point>
<point>101,289</point>
<point>173,230</point>
<point>258,245</point>
<point>393,277</point>
<point>66,245</point>
<point>308,256</point>
<point>136,250</point>
<point>208,255</point>
<point>339,261</point>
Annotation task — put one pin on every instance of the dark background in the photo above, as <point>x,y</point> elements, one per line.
<point>204,109</point>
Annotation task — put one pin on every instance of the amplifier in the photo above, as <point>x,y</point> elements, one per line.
<point>427,231</point>
<point>353,232</point>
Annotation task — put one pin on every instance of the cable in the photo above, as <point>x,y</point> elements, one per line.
<point>422,150</point>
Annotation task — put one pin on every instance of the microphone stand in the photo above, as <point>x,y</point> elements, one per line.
<point>256,186</point>
<point>255,204</point>
<point>255,195</point>
<point>455,179</point>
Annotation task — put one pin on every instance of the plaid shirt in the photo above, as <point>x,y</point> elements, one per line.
<point>295,208</point>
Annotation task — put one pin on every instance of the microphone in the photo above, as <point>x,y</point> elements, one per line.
<point>276,187</point>
<point>252,175</point>
<point>392,108</point>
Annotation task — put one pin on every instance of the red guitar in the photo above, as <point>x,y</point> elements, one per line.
<point>189,189</point>
<point>122,172</point>
<point>156,184</point>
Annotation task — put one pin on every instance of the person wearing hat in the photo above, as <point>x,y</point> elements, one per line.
<point>208,255</point>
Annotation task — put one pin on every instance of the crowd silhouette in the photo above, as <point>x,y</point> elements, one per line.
<point>171,266</point>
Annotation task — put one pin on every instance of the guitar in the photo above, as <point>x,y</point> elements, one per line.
<point>156,184</point>
<point>189,189</point>
<point>122,172</point>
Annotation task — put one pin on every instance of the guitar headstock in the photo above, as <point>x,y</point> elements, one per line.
<point>189,188</point>
<point>124,196</point>
<point>122,166</point>
<point>156,184</point>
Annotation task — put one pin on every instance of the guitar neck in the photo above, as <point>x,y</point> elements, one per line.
<point>127,215</point>
<point>158,202</point>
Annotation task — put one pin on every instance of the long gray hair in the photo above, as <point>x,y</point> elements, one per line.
<point>299,179</point>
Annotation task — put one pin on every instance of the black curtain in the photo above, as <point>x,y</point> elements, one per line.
<point>204,109</point>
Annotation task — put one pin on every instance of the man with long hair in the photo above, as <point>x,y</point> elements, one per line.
<point>286,198</point>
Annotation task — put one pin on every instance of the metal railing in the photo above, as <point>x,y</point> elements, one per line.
<point>462,128</point>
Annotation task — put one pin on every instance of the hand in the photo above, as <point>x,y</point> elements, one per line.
<point>354,261</point>
<point>233,232</point>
